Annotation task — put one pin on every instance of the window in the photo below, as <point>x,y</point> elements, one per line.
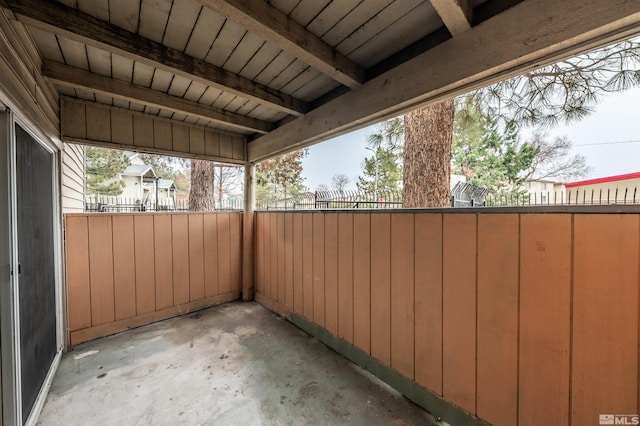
<point>543,185</point>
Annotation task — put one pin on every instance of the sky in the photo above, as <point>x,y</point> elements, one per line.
<point>598,137</point>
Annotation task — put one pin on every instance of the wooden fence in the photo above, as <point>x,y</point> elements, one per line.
<point>517,318</point>
<point>126,270</point>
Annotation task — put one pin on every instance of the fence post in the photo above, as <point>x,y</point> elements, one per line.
<point>248,249</point>
<point>453,201</point>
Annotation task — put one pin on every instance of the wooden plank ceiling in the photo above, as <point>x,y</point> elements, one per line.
<point>268,69</point>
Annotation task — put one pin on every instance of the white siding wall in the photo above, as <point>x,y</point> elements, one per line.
<point>73,158</point>
<point>133,188</point>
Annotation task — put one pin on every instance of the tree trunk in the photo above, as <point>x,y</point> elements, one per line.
<point>201,196</point>
<point>427,156</point>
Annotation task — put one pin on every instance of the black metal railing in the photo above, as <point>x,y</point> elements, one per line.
<point>108,204</point>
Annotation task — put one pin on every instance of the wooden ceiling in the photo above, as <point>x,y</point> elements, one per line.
<point>289,73</point>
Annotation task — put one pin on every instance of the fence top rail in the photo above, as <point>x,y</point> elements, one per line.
<point>152,213</point>
<point>579,209</point>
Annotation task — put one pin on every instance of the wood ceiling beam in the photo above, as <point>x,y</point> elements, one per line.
<point>81,79</point>
<point>531,34</point>
<point>49,15</point>
<point>456,14</point>
<point>263,19</point>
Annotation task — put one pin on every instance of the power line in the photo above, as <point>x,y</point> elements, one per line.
<point>607,143</point>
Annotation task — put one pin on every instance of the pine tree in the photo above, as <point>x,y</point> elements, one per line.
<point>103,167</point>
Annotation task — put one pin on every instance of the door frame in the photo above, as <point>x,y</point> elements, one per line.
<point>11,412</point>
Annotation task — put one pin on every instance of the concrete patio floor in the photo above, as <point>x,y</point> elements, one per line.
<point>235,364</point>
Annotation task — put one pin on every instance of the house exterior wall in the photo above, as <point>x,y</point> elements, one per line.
<point>73,173</point>
<point>32,102</point>
<point>605,193</point>
<point>545,192</point>
<point>133,188</point>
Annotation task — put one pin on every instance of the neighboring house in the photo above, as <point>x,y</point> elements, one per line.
<point>618,189</point>
<point>544,191</point>
<point>143,185</point>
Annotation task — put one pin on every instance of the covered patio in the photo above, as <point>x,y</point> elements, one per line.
<point>497,316</point>
<point>236,363</point>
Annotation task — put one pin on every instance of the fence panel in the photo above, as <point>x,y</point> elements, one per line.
<point>126,270</point>
<point>514,318</point>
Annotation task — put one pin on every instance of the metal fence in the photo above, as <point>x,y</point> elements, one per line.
<point>463,195</point>
<point>568,197</point>
<point>105,204</point>
<point>335,200</point>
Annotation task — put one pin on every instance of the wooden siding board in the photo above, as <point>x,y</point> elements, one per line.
<point>362,281</point>
<point>230,35</point>
<point>153,18</point>
<point>266,247</point>
<point>100,247</point>
<point>100,124</point>
<point>124,267</point>
<point>273,257</point>
<point>74,53</point>
<point>288,256</point>
<point>196,140</point>
<point>259,251</point>
<point>318,269</point>
<point>124,13</point>
<point>121,68</point>
<point>180,135</point>
<point>235,251</point>
<point>163,255</point>
<point>47,44</point>
<point>77,271</point>
<point>331,272</point>
<point>381,287</point>
<point>74,120</point>
<point>497,318</point>
<point>143,131</point>
<point>402,294</point>
<point>210,230</point>
<point>428,301</point>
<point>121,127</point>
<point>307,266</point>
<point>345,276</point>
<point>605,317</point>
<point>196,257</point>
<point>145,296</point>
<point>281,287</point>
<point>180,25</point>
<point>545,319</point>
<point>162,135</point>
<point>180,248</point>
<point>297,263</point>
<point>245,50</point>
<point>224,257</point>
<point>99,61</point>
<point>205,30</point>
<point>459,310</point>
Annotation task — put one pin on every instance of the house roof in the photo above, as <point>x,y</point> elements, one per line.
<point>162,184</point>
<point>138,170</point>
<point>606,179</point>
<point>280,75</point>
<point>554,182</point>
<point>165,183</point>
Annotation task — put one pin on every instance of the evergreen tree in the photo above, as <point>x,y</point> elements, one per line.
<point>103,167</point>
<point>383,170</point>
<point>280,177</point>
